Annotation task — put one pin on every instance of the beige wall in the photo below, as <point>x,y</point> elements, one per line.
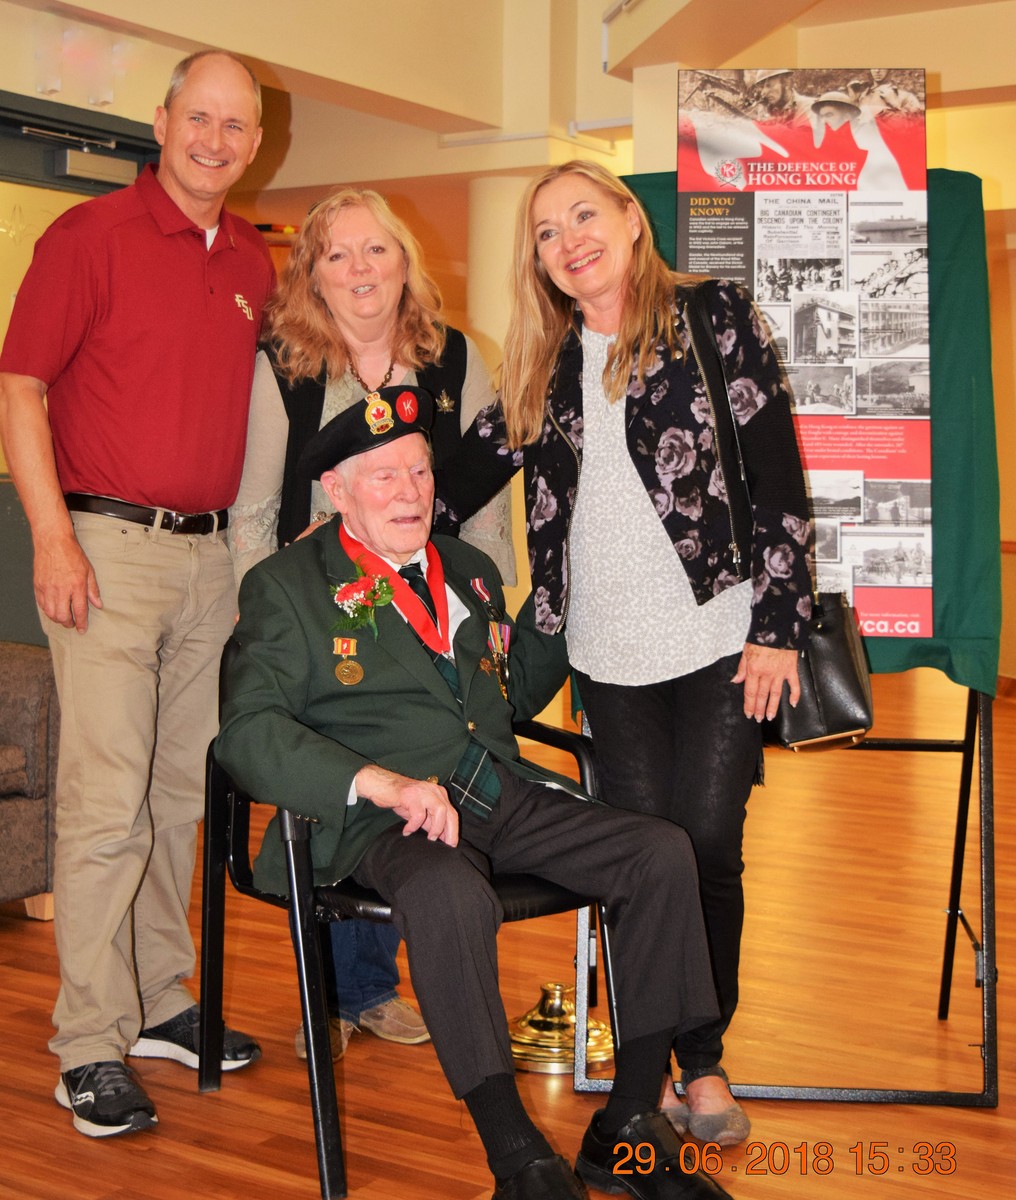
<point>964,45</point>
<point>25,212</point>
<point>391,57</point>
<point>48,56</point>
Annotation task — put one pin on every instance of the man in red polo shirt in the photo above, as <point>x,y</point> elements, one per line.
<point>124,386</point>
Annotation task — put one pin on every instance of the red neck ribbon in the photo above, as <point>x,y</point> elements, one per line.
<point>434,637</point>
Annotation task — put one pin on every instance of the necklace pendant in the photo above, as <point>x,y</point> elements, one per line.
<point>371,394</point>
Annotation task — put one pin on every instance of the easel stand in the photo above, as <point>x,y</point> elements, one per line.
<point>977,739</point>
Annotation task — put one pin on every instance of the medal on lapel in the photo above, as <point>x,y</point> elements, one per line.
<point>498,637</point>
<point>348,671</point>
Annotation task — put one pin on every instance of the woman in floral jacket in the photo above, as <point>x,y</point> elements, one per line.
<point>683,602</point>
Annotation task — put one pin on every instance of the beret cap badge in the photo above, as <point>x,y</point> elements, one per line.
<point>378,415</point>
<point>381,417</point>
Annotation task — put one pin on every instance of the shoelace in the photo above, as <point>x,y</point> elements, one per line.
<point>109,1079</point>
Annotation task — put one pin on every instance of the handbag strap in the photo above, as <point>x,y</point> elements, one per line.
<point>707,354</point>
<point>711,365</point>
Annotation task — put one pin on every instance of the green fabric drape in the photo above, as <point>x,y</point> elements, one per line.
<point>964,491</point>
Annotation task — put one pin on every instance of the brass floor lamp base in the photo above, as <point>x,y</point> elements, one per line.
<point>543,1039</point>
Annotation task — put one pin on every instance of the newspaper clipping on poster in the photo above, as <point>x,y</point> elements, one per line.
<point>809,187</point>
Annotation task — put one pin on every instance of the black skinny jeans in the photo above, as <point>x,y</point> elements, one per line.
<point>683,749</point>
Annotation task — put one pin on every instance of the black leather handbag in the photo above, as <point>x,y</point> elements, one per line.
<point>835,706</point>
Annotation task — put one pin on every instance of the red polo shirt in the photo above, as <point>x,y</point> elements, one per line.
<point>145,340</point>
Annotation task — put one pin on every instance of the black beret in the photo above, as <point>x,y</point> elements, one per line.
<point>381,417</point>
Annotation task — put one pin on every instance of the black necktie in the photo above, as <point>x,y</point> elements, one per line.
<point>474,784</point>
<point>413,574</point>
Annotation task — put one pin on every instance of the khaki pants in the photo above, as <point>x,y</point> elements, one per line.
<point>138,699</point>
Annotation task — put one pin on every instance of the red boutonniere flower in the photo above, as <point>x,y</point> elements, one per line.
<point>358,600</point>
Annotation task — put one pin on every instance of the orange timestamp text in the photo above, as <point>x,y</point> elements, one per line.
<point>806,1158</point>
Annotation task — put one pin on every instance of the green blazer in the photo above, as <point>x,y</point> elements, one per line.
<point>294,736</point>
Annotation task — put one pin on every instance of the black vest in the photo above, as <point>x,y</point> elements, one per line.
<point>305,401</point>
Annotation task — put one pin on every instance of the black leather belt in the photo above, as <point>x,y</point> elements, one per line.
<point>139,514</point>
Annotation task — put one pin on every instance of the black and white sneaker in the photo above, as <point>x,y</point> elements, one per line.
<point>177,1039</point>
<point>106,1099</point>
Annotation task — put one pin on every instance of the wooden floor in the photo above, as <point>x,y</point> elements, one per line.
<point>848,859</point>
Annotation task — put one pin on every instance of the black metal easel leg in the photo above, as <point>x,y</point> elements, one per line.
<point>954,912</point>
<point>990,973</point>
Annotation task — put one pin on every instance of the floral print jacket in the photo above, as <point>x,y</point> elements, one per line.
<point>672,439</point>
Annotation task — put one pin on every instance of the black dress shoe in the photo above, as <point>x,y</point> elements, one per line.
<point>542,1179</point>
<point>610,1163</point>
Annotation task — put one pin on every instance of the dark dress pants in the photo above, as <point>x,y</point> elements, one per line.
<point>641,868</point>
<point>684,750</point>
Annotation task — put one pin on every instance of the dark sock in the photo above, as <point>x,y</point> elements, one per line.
<point>638,1074</point>
<point>509,1137</point>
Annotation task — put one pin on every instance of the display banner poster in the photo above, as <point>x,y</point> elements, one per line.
<point>809,187</point>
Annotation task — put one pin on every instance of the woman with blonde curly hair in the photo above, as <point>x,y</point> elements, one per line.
<point>299,321</point>
<point>354,311</point>
<point>683,603</point>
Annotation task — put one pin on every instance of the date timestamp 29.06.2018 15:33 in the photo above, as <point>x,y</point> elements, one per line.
<point>806,1158</point>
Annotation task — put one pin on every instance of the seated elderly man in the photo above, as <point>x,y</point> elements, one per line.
<point>380,705</point>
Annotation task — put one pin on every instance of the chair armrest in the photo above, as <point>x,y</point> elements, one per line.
<point>577,745</point>
<point>227,829</point>
<point>227,825</point>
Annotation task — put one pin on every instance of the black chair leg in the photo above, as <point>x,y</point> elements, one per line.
<point>313,1004</point>
<point>213,928</point>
